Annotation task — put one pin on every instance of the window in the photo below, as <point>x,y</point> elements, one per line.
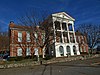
<point>43,37</point>
<point>61,50</point>
<point>19,52</point>
<point>57,25</point>
<point>72,39</point>
<point>61,39</point>
<point>68,50</point>
<point>36,37</point>
<point>58,37</point>
<point>70,27</point>
<point>81,49</point>
<point>28,51</point>
<point>19,36</point>
<point>65,36</point>
<point>84,49</point>
<point>79,39</point>
<point>36,51</point>
<point>74,49</point>
<point>28,37</point>
<point>64,26</point>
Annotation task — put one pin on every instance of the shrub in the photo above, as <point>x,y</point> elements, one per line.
<point>19,58</point>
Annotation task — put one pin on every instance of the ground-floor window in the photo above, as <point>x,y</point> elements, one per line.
<point>84,48</point>
<point>28,51</point>
<point>19,52</point>
<point>61,50</point>
<point>36,51</point>
<point>68,50</point>
<point>74,49</point>
<point>81,49</point>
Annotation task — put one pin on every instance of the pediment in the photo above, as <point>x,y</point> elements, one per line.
<point>63,15</point>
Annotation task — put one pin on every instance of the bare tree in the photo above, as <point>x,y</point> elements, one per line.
<point>34,20</point>
<point>4,41</point>
<point>92,32</point>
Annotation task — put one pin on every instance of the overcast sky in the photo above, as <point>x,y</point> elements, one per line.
<point>84,11</point>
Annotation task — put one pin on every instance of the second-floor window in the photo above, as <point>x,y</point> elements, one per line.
<point>64,26</point>
<point>43,37</point>
<point>72,39</point>
<point>35,37</point>
<point>79,39</point>
<point>19,36</point>
<point>28,37</point>
<point>70,27</point>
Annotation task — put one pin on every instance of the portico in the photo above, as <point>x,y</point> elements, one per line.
<point>64,36</point>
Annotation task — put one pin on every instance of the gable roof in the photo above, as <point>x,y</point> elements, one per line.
<point>64,15</point>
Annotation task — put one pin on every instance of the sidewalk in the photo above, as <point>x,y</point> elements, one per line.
<point>53,60</point>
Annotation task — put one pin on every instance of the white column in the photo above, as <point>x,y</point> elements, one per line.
<point>62,37</point>
<point>77,50</point>
<point>71,49</point>
<point>74,32</point>
<point>68,33</point>
<point>54,31</point>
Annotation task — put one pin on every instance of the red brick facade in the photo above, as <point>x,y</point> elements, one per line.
<point>82,41</point>
<point>21,43</point>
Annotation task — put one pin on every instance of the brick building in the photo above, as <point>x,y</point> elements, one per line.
<point>63,40</point>
<point>82,41</point>
<point>22,41</point>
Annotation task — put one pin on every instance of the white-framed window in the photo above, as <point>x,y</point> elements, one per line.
<point>19,52</point>
<point>36,37</point>
<point>28,37</point>
<point>70,27</point>
<point>84,49</point>
<point>64,27</point>
<point>81,49</point>
<point>61,50</point>
<point>68,50</point>
<point>19,36</point>
<point>36,51</point>
<point>43,37</point>
<point>79,39</point>
<point>28,51</point>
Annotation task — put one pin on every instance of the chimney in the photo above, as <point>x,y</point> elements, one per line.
<point>11,24</point>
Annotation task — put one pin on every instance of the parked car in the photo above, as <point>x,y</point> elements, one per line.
<point>6,56</point>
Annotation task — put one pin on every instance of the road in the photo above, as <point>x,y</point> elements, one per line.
<point>79,67</point>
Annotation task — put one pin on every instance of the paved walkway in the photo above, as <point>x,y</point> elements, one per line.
<point>79,67</point>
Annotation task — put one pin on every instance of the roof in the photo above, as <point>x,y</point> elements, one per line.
<point>78,33</point>
<point>24,28</point>
<point>64,15</point>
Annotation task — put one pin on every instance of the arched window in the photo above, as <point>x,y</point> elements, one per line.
<point>68,50</point>
<point>61,50</point>
<point>74,49</point>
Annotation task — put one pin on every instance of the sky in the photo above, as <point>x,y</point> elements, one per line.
<point>83,11</point>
